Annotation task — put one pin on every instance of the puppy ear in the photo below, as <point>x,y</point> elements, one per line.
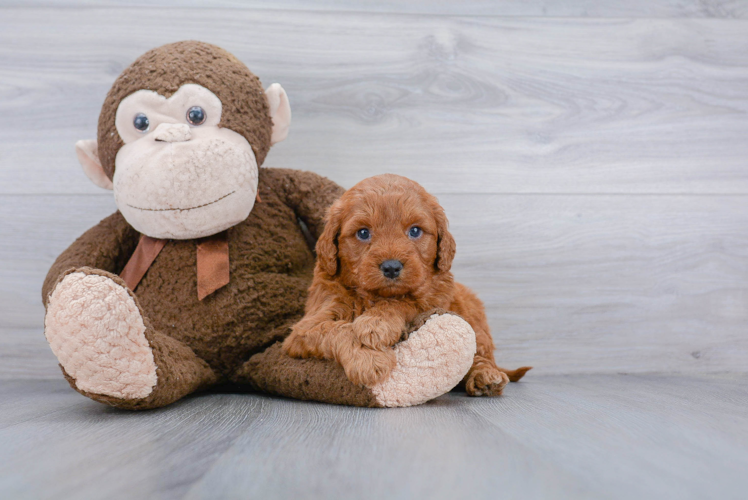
<point>327,244</point>
<point>445,243</point>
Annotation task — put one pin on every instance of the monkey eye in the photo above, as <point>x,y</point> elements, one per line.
<point>196,115</point>
<point>363,234</point>
<point>141,122</point>
<point>415,232</point>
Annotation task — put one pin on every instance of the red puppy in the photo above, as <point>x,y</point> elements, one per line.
<point>383,258</point>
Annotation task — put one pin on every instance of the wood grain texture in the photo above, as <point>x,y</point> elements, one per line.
<point>564,437</point>
<point>609,283</point>
<point>26,355</point>
<point>594,170</point>
<point>571,283</point>
<point>538,8</point>
<point>468,104</point>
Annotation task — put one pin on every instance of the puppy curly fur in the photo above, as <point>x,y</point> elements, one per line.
<point>355,314</point>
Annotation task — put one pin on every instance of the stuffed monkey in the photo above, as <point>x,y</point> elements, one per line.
<point>205,266</point>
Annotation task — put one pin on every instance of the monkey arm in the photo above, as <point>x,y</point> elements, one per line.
<point>106,246</point>
<point>307,193</point>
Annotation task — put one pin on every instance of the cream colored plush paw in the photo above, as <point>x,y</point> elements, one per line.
<point>433,360</point>
<point>97,333</point>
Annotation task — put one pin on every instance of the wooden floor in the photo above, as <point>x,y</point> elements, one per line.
<point>577,436</point>
<point>591,155</point>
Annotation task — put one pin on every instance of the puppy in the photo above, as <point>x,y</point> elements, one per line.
<point>383,258</point>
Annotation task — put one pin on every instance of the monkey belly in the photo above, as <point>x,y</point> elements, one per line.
<point>265,296</point>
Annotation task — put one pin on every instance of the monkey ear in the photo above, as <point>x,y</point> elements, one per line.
<point>280,112</point>
<point>88,156</point>
<point>327,244</point>
<point>445,245</point>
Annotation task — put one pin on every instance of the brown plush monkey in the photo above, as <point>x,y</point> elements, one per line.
<point>204,268</point>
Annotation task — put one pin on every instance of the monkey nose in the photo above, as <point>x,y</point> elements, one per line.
<point>172,132</point>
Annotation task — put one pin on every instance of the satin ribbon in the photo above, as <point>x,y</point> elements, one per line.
<point>212,262</point>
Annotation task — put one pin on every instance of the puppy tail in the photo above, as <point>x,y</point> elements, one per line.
<point>515,375</point>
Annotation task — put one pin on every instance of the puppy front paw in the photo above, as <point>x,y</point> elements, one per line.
<point>293,346</point>
<point>374,333</point>
<point>369,367</point>
<point>485,381</point>
<point>297,346</point>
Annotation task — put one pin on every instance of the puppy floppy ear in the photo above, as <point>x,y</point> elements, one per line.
<point>445,243</point>
<point>327,244</point>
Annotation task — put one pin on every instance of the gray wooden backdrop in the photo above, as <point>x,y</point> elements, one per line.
<point>592,156</point>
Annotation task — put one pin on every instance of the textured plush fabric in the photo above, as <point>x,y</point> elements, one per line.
<point>88,156</point>
<point>271,266</point>
<point>167,116</point>
<point>436,356</point>
<point>179,373</point>
<point>197,344</point>
<point>280,110</point>
<point>95,329</point>
<point>432,362</point>
<point>178,370</point>
<point>166,68</point>
<point>186,189</point>
<point>274,372</point>
<point>148,348</point>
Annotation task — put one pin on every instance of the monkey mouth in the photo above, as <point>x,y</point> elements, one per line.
<point>181,209</point>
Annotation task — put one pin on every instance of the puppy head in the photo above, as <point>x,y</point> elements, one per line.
<point>386,235</point>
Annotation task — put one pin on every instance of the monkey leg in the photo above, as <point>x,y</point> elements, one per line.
<point>433,359</point>
<point>108,351</point>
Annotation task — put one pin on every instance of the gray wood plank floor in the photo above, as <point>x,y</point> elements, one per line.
<point>592,283</point>
<point>462,104</point>
<point>594,169</point>
<point>607,436</point>
<point>722,9</point>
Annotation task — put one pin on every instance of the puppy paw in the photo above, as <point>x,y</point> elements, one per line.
<point>296,346</point>
<point>485,381</point>
<point>375,333</point>
<point>369,367</point>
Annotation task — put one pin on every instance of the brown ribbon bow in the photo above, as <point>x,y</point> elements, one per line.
<point>212,262</point>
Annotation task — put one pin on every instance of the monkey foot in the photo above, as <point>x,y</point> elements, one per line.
<point>95,329</point>
<point>433,360</point>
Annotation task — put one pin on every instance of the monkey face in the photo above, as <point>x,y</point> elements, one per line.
<point>179,175</point>
<point>183,162</point>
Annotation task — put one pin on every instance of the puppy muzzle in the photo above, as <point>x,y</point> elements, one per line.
<point>391,268</point>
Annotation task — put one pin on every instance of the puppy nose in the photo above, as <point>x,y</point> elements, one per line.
<point>391,268</point>
<point>172,132</point>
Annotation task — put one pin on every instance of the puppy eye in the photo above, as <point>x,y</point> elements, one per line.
<point>363,234</point>
<point>196,115</point>
<point>415,231</point>
<point>141,122</point>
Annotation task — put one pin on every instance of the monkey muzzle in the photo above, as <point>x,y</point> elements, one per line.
<point>180,182</point>
<point>172,132</point>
